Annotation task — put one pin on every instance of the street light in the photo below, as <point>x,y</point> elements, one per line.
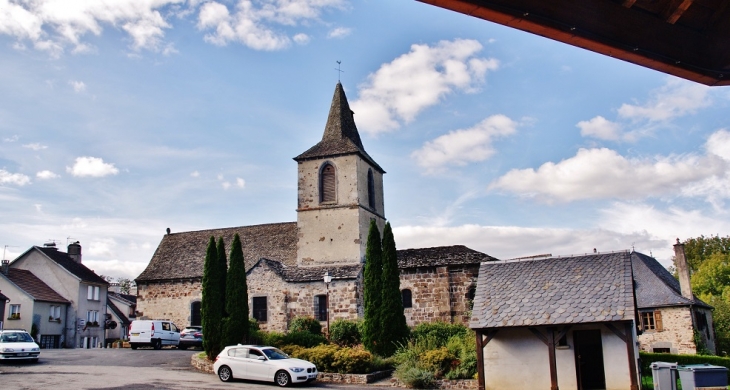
<point>327,280</point>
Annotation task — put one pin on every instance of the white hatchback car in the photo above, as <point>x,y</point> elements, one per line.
<point>18,345</point>
<point>261,363</point>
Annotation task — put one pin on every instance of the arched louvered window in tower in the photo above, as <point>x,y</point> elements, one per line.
<point>371,189</point>
<point>327,184</point>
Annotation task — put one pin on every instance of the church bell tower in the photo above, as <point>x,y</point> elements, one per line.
<point>340,190</point>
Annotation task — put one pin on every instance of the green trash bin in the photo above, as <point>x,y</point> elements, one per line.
<point>664,375</point>
<point>698,376</point>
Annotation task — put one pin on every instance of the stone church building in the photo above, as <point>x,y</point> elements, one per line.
<point>340,190</point>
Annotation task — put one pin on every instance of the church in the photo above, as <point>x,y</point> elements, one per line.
<point>314,266</point>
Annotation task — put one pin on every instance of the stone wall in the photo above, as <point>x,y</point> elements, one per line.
<point>168,300</point>
<point>677,333</point>
<point>439,293</point>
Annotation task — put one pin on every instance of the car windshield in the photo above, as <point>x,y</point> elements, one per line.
<point>275,354</point>
<point>16,337</point>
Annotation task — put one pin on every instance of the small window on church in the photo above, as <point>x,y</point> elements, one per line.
<point>470,297</point>
<point>260,309</point>
<point>371,189</point>
<point>407,298</point>
<point>327,184</point>
<point>195,319</point>
<point>320,307</point>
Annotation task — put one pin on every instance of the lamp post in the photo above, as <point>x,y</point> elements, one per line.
<point>327,280</point>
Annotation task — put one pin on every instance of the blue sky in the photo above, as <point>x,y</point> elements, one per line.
<point>121,119</point>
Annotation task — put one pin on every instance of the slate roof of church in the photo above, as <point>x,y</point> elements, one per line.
<point>340,133</point>
<point>440,256</point>
<point>181,255</point>
<point>28,282</point>
<point>78,269</point>
<point>655,285</point>
<point>311,274</point>
<point>568,290</point>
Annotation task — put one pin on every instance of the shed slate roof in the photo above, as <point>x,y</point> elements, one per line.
<point>439,256</point>
<point>310,274</point>
<point>569,290</point>
<point>181,255</point>
<point>77,269</point>
<point>117,312</point>
<point>28,282</point>
<point>340,133</point>
<point>125,298</point>
<point>655,285</point>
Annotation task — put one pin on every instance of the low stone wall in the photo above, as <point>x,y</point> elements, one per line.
<point>354,379</point>
<point>443,384</point>
<point>201,364</point>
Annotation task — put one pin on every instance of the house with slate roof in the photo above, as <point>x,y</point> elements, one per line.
<point>121,311</point>
<point>85,290</point>
<point>669,314</point>
<point>340,190</point>
<point>557,323</point>
<point>33,302</point>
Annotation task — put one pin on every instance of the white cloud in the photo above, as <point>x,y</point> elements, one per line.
<point>339,32</point>
<point>226,185</point>
<point>17,179</point>
<point>195,174</point>
<point>102,247</point>
<point>601,128</point>
<point>54,25</point>
<point>91,166</point>
<point>401,89</point>
<point>603,173</point>
<point>719,144</point>
<point>250,23</point>
<point>46,175</point>
<point>460,147</point>
<point>676,98</point>
<point>301,39</point>
<point>13,138</point>
<point>78,86</point>
<point>240,183</point>
<point>35,146</point>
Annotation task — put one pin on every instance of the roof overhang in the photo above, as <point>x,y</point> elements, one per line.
<point>684,38</point>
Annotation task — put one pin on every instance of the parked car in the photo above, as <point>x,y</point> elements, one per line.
<point>18,345</point>
<point>261,363</point>
<point>154,333</point>
<point>192,336</point>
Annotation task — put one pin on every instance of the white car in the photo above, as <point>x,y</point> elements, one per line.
<point>261,363</point>
<point>18,345</point>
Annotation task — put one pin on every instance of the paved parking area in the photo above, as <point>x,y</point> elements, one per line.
<point>122,369</point>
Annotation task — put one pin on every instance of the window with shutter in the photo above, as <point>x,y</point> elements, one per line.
<point>658,321</point>
<point>327,184</point>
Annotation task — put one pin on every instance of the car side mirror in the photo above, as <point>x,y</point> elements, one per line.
<point>260,358</point>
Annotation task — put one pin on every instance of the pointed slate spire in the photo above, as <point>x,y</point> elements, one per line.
<point>340,133</point>
<point>341,123</point>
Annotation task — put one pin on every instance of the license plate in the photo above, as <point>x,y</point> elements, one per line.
<point>135,334</point>
<point>312,375</point>
<point>23,354</point>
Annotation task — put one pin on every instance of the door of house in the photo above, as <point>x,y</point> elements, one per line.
<point>589,359</point>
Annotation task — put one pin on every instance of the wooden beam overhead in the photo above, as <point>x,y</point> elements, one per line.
<point>675,10</point>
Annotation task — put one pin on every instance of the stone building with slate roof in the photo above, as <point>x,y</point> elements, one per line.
<point>557,323</point>
<point>340,190</point>
<point>85,290</point>
<point>669,315</point>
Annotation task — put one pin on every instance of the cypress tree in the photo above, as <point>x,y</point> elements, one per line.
<point>371,328</point>
<point>211,305</point>
<point>222,272</point>
<point>395,329</point>
<point>236,328</point>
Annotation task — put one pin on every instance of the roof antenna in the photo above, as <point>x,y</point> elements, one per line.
<point>339,71</point>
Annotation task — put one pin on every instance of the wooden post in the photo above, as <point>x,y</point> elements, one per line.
<point>632,358</point>
<point>482,381</point>
<point>551,356</point>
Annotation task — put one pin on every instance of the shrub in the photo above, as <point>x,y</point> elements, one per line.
<point>415,377</point>
<point>303,338</point>
<point>305,324</point>
<point>345,332</point>
<point>292,350</point>
<point>439,332</point>
<point>437,361</point>
<point>352,361</point>
<point>322,356</point>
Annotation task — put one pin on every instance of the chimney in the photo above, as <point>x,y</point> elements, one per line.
<point>50,245</point>
<point>680,261</point>
<point>74,251</point>
<point>5,266</point>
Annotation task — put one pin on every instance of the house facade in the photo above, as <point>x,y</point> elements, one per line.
<point>34,306</point>
<point>86,291</point>
<point>340,190</point>
<point>121,311</point>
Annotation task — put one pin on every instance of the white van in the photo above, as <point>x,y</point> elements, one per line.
<point>154,333</point>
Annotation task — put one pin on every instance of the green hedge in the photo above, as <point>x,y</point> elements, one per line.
<point>648,358</point>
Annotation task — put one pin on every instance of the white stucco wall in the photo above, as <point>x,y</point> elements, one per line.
<point>17,297</point>
<point>516,359</point>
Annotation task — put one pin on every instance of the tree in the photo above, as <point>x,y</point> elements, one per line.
<point>211,305</point>
<point>222,272</point>
<point>698,250</point>
<point>236,329</point>
<point>125,285</point>
<point>712,276</point>
<point>371,328</point>
<point>395,329</point>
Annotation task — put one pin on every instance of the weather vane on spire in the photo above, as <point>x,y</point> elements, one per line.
<point>339,71</point>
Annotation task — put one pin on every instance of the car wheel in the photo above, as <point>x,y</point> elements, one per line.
<point>282,378</point>
<point>133,346</point>
<point>183,347</point>
<point>225,374</point>
<point>157,344</point>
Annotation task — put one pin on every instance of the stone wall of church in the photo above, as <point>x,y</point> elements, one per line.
<point>168,301</point>
<point>439,293</point>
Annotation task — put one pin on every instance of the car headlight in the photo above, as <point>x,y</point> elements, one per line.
<point>297,369</point>
<point>8,350</point>
<point>35,349</point>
